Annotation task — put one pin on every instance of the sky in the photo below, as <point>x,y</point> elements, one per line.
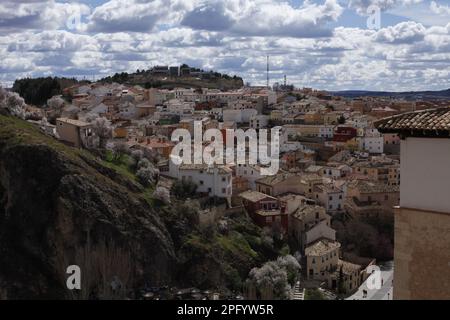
<point>392,45</point>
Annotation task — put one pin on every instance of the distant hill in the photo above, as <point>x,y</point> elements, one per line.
<point>409,95</point>
<point>171,77</point>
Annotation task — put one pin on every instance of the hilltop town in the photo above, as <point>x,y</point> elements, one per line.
<point>330,206</point>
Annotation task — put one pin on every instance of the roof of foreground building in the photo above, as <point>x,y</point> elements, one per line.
<point>426,123</point>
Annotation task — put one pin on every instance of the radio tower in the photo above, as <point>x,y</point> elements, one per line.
<point>268,72</point>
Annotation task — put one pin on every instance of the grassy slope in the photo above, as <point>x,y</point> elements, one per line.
<point>14,131</point>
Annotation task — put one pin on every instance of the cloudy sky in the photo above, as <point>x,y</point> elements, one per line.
<point>326,44</point>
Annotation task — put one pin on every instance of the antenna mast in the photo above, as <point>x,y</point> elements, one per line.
<point>268,72</point>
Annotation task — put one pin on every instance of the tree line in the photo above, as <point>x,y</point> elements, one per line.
<point>36,91</point>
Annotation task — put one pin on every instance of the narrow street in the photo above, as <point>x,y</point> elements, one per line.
<point>386,290</point>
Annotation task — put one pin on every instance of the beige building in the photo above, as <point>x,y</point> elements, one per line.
<point>422,221</point>
<point>371,197</point>
<point>279,184</point>
<point>310,223</point>
<point>73,132</point>
<point>322,259</point>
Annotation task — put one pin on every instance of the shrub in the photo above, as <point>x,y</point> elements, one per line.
<point>184,189</point>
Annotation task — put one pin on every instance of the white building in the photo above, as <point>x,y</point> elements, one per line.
<point>422,221</point>
<point>238,116</point>
<point>326,131</point>
<point>329,196</point>
<point>371,142</point>
<point>213,180</point>
<point>251,172</point>
<point>259,121</point>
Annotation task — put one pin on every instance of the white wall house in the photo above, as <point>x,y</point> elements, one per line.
<point>331,197</point>
<point>426,185</point>
<point>371,144</point>
<point>326,131</point>
<point>250,172</point>
<point>238,116</point>
<point>213,180</point>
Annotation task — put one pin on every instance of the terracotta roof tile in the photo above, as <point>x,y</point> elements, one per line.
<point>426,120</point>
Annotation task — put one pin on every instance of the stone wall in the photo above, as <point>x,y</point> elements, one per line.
<point>421,255</point>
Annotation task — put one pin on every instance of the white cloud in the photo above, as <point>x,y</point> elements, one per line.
<point>37,14</point>
<point>361,6</point>
<point>405,32</point>
<point>439,9</point>
<point>265,18</point>
<point>406,56</point>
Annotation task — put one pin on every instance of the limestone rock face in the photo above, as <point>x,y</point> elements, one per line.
<point>59,208</point>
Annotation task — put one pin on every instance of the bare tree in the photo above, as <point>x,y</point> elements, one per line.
<point>56,103</point>
<point>272,279</point>
<point>119,150</point>
<point>103,131</point>
<point>147,175</point>
<point>106,271</point>
<point>12,103</point>
<point>162,194</point>
<point>137,155</point>
<point>55,107</point>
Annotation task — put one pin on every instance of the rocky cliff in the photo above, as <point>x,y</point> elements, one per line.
<point>61,206</point>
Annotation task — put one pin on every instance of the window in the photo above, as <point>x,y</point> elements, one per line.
<point>223,179</point>
<point>386,197</point>
<point>201,182</point>
<point>224,190</point>
<point>340,197</point>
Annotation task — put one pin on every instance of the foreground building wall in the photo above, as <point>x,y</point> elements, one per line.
<point>422,254</point>
<point>422,223</point>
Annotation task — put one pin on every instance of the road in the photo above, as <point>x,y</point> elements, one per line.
<point>385,291</point>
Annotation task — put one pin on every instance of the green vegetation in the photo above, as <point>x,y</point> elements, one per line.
<point>314,294</point>
<point>144,78</point>
<point>122,165</point>
<point>37,91</point>
<point>235,243</point>
<point>15,131</point>
<point>184,189</point>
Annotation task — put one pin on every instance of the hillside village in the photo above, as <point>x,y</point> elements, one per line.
<point>331,203</point>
